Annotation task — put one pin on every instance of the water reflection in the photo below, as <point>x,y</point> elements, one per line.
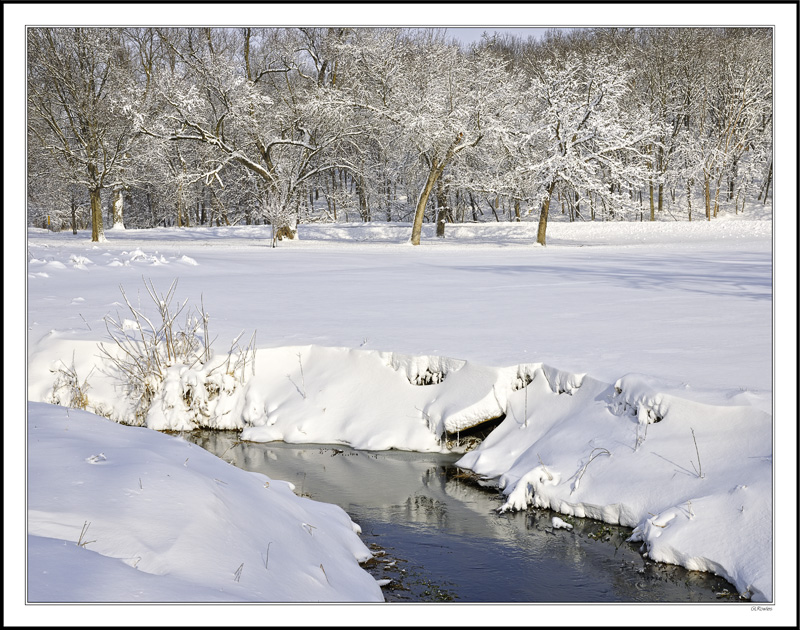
<point>439,538</point>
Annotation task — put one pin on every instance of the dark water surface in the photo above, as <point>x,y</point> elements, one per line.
<point>438,536</point>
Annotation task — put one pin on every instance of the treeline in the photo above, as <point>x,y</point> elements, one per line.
<point>142,127</point>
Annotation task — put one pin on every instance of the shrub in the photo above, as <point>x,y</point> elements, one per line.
<point>168,369</point>
<point>68,390</point>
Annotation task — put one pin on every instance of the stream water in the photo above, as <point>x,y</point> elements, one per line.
<point>438,537</point>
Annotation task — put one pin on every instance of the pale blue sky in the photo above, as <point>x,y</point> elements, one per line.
<point>473,34</point>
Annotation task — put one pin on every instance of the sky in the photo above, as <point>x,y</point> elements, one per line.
<point>469,35</point>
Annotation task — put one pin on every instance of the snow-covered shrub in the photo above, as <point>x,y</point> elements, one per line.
<point>422,370</point>
<point>169,372</point>
<point>634,395</point>
<point>68,390</point>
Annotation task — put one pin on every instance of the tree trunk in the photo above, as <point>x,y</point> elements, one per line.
<point>150,208</point>
<point>419,215</point>
<point>540,234</point>
<point>716,200</point>
<point>331,211</point>
<point>769,181</point>
<point>472,205</point>
<point>731,178</point>
<point>494,208</point>
<point>73,207</point>
<point>650,168</point>
<point>707,193</point>
<point>660,197</point>
<point>363,206</point>
<point>179,205</point>
<point>516,210</point>
<point>441,209</point>
<point>117,204</point>
<point>387,185</point>
<point>218,208</point>
<point>440,223</point>
<point>98,233</point>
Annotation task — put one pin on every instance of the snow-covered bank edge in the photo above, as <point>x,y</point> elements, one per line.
<point>124,514</point>
<point>693,479</point>
<point>631,455</point>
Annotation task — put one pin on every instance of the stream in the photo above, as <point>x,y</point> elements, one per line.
<point>436,535</point>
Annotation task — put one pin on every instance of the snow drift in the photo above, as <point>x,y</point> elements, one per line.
<point>124,506</point>
<point>684,459</point>
<point>693,479</point>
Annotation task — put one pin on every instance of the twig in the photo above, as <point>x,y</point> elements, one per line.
<point>526,406</point>
<point>309,528</point>
<point>699,472</point>
<point>592,457</point>
<point>234,445</point>
<point>84,530</point>
<point>238,573</point>
<point>204,317</point>
<point>302,376</point>
<point>266,562</point>
<point>549,476</point>
<point>85,322</point>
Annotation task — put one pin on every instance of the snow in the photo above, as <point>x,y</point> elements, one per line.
<point>632,363</point>
<point>152,503</point>
<point>559,523</point>
<point>587,454</point>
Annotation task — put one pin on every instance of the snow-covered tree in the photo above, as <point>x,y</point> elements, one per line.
<point>734,107</point>
<point>272,123</point>
<point>431,100</point>
<point>583,138</point>
<point>185,126</point>
<point>80,109</point>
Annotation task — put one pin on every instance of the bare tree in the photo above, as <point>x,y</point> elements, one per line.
<point>272,124</point>
<point>189,126</point>
<point>80,107</point>
<point>582,138</point>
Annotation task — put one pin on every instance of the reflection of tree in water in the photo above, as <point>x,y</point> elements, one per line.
<point>630,576</point>
<point>424,509</point>
<point>254,456</point>
<point>598,550</point>
<point>228,447</point>
<point>434,479</point>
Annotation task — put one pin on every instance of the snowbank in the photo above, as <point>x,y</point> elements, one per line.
<point>683,456</point>
<point>124,514</point>
<point>693,479</point>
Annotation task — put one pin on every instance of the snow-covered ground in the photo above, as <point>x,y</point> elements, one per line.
<point>633,363</point>
<point>157,519</point>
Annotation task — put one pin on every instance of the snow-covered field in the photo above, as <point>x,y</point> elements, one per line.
<point>633,363</point>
